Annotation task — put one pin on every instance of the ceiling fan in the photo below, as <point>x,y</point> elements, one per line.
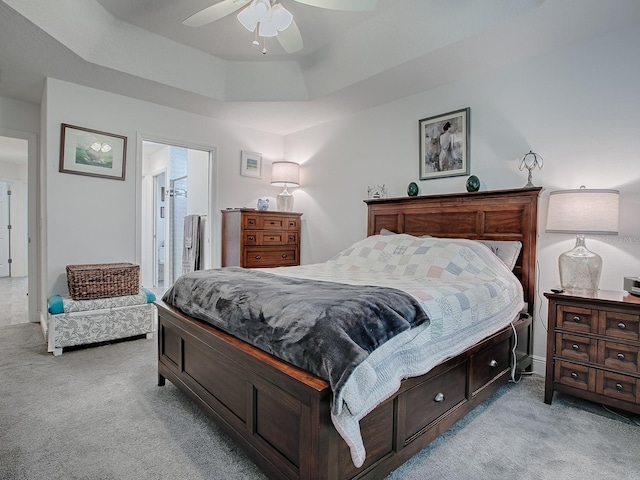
<point>268,18</point>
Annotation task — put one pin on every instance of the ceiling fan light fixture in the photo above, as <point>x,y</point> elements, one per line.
<point>247,19</point>
<point>267,29</point>
<point>281,17</point>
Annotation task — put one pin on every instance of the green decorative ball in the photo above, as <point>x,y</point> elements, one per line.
<point>473,184</point>
<point>412,189</point>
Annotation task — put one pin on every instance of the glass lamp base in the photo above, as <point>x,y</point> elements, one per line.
<point>580,268</point>
<point>284,202</point>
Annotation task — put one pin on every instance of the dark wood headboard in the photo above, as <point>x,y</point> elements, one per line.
<point>492,215</point>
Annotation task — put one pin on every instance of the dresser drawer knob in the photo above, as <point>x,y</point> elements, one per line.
<point>576,319</point>
<point>621,356</point>
<point>258,257</point>
<point>439,398</point>
<point>619,387</point>
<point>272,223</point>
<point>574,375</point>
<point>622,326</point>
<point>284,255</point>
<point>251,237</point>
<point>575,346</point>
<point>271,238</point>
<point>493,364</point>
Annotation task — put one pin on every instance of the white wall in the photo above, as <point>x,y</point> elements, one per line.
<point>93,220</point>
<point>577,107</point>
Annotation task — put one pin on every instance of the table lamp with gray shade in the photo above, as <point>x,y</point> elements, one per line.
<point>285,174</point>
<point>582,212</point>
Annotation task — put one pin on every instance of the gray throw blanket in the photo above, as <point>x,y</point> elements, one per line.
<point>323,327</point>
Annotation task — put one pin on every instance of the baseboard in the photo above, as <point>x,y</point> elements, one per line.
<point>538,365</point>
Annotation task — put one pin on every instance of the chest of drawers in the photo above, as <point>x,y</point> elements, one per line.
<point>593,346</point>
<point>254,238</point>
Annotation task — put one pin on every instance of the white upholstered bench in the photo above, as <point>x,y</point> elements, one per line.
<point>83,322</point>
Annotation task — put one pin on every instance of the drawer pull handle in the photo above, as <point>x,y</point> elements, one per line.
<point>621,356</point>
<point>272,223</point>
<point>576,319</point>
<point>258,257</point>
<point>251,238</point>
<point>251,222</point>
<point>271,238</point>
<point>493,364</point>
<point>284,255</point>
<point>575,346</point>
<point>622,326</point>
<point>439,398</point>
<point>574,375</point>
<point>619,387</point>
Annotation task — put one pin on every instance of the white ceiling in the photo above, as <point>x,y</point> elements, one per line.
<point>351,60</point>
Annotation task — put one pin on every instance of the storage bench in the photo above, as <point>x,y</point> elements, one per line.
<point>83,322</point>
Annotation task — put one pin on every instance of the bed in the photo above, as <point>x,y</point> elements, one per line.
<point>281,415</point>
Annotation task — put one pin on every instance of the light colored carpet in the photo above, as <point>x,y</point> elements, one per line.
<point>97,413</point>
<point>14,301</point>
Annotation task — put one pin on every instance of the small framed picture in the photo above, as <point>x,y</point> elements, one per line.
<point>444,145</point>
<point>251,164</point>
<point>90,152</point>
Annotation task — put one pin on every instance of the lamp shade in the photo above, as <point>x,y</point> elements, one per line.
<point>583,211</point>
<point>285,174</point>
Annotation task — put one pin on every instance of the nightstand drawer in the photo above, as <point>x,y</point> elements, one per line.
<point>577,319</point>
<point>265,257</point>
<point>618,386</point>
<point>576,376</point>
<point>620,325</point>
<point>576,347</point>
<point>618,356</point>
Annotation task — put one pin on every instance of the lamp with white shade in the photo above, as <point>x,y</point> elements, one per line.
<point>582,212</point>
<point>285,174</point>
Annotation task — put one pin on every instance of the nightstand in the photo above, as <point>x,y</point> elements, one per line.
<point>593,345</point>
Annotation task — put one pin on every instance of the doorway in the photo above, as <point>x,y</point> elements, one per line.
<point>177,181</point>
<point>15,222</point>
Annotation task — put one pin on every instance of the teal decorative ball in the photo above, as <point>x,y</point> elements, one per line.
<point>412,189</point>
<point>473,184</point>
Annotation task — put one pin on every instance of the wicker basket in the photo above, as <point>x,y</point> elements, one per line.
<point>102,280</point>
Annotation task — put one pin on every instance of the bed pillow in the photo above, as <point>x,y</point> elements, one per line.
<point>507,251</point>
<point>384,231</point>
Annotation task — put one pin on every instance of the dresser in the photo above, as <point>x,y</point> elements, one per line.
<point>254,238</point>
<point>593,344</point>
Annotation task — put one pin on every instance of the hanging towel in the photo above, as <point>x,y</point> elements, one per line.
<point>191,244</point>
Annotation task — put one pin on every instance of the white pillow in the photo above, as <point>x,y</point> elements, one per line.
<point>507,251</point>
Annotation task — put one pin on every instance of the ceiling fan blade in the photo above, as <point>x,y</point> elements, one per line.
<point>214,12</point>
<point>347,5</point>
<point>290,39</point>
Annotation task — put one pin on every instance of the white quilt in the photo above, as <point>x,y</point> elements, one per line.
<point>465,289</point>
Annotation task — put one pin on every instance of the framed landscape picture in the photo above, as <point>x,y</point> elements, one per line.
<point>91,152</point>
<point>444,145</point>
<point>251,164</point>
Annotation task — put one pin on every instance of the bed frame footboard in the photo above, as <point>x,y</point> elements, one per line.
<point>280,414</point>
